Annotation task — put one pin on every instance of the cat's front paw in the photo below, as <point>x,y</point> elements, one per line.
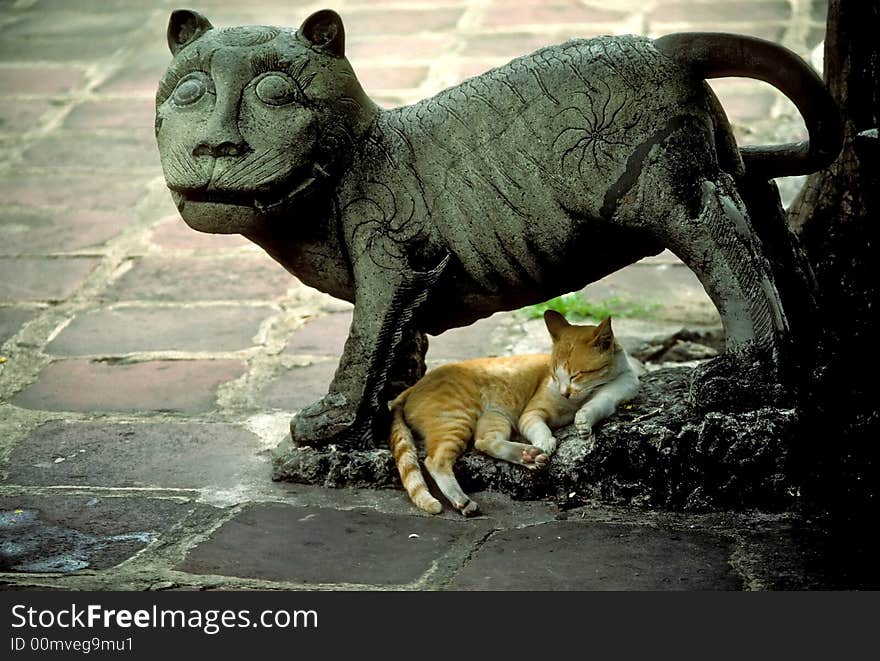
<point>584,427</point>
<point>547,444</point>
<point>534,458</point>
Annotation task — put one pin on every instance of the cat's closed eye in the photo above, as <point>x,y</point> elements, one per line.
<point>585,374</point>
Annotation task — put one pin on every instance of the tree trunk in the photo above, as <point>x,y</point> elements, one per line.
<point>837,216</point>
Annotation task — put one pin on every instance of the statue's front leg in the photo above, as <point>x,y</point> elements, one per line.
<point>383,353</point>
<point>339,417</point>
<point>410,365</point>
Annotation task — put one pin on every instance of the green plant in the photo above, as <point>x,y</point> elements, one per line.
<point>576,306</point>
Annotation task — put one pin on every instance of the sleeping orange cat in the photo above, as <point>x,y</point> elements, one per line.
<point>585,377</point>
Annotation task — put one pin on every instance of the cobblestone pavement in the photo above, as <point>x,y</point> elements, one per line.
<point>148,371</point>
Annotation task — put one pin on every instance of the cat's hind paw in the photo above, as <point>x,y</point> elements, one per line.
<point>534,458</point>
<point>428,503</point>
<point>471,508</point>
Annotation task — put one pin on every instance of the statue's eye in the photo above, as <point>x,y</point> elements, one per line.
<point>276,89</point>
<point>191,88</point>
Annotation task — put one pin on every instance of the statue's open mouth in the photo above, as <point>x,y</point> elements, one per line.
<point>236,198</point>
<point>262,201</point>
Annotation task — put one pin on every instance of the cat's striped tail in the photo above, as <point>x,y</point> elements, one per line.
<point>407,460</point>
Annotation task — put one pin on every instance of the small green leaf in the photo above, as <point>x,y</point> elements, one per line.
<point>576,307</point>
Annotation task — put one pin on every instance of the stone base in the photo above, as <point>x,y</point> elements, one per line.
<point>657,451</point>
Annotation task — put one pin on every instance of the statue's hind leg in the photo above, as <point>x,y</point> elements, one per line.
<point>703,220</point>
<point>720,246</point>
<point>727,256</point>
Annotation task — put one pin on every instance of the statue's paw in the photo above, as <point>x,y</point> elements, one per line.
<point>329,404</point>
<point>326,418</point>
<point>740,380</point>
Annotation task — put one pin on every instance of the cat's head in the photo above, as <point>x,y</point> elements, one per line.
<point>254,120</point>
<point>583,357</point>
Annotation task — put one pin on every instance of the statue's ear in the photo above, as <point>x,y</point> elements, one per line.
<point>184,27</point>
<point>324,31</point>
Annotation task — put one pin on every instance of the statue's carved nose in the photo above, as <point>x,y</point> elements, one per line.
<point>224,148</point>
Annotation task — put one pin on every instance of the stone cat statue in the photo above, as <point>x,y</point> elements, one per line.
<point>520,184</point>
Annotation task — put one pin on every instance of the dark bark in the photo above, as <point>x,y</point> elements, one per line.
<point>837,216</point>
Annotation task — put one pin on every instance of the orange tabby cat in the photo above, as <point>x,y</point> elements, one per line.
<point>585,377</point>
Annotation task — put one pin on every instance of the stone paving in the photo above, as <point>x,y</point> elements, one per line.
<point>147,372</point>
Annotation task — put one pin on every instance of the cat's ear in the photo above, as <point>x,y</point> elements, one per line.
<point>555,323</point>
<point>324,31</point>
<point>603,339</point>
<point>184,27</point>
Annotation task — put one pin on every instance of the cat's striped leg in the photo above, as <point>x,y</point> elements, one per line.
<point>443,449</point>
<point>493,437</point>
